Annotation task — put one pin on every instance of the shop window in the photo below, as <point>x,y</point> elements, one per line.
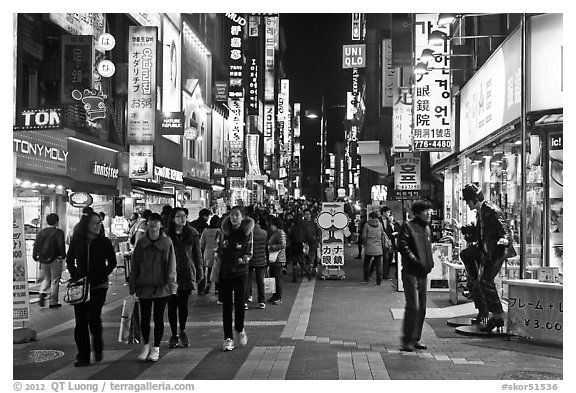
<point>556,201</point>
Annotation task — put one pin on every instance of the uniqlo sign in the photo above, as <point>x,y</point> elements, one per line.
<point>407,173</point>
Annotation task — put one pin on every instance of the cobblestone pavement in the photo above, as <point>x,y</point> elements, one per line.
<point>323,330</point>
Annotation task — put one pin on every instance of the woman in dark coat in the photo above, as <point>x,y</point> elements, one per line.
<point>277,242</point>
<point>235,245</point>
<point>91,255</point>
<point>189,271</point>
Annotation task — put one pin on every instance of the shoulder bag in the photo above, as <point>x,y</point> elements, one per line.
<point>78,291</point>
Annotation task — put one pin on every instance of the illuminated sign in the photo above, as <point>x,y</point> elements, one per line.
<point>142,84</point>
<point>34,119</point>
<point>168,173</point>
<point>80,199</point>
<point>354,56</point>
<point>407,173</point>
<point>104,170</point>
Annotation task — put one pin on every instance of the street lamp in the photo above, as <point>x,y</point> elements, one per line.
<point>313,115</point>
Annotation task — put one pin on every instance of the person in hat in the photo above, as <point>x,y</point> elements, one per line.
<point>496,244</point>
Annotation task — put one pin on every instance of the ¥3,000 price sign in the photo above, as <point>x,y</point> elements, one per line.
<point>21,304</point>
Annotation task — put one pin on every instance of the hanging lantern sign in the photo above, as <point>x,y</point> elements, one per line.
<point>106,41</point>
<point>106,68</point>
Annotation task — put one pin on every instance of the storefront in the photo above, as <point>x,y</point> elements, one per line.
<point>491,156</point>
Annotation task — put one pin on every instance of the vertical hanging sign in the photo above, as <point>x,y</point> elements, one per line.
<point>77,64</point>
<point>236,55</point>
<point>432,96</point>
<point>142,84</point>
<point>236,136</point>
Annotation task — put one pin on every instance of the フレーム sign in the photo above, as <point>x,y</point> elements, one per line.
<point>21,299</point>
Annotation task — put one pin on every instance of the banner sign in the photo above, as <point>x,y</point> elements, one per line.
<point>74,23</point>
<point>356,26</point>
<point>141,163</point>
<point>142,45</point>
<point>171,123</point>
<point>269,127</point>
<point>389,77</point>
<point>253,149</point>
<point>77,65</point>
<point>235,25</point>
<point>38,151</point>
<point>221,91</point>
<point>271,34</point>
<point>432,95</point>
<point>407,173</point>
<point>296,127</point>
<point>354,56</point>
<point>21,298</point>
<point>236,136</point>
<point>253,87</point>
<point>402,121</point>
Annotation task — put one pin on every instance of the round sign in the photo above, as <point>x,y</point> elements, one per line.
<point>80,199</point>
<point>107,41</point>
<point>328,221</point>
<point>106,68</point>
<point>191,133</point>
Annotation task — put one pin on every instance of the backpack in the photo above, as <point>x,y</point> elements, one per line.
<point>48,249</point>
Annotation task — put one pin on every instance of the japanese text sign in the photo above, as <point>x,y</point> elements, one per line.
<point>21,300</point>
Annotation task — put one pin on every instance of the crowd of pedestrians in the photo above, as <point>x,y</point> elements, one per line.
<point>229,255</point>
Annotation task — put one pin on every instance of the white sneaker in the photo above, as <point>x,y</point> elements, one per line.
<point>154,354</point>
<point>228,345</point>
<point>145,352</point>
<point>243,338</point>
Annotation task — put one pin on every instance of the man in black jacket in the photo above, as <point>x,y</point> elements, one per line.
<point>50,240</point>
<point>495,243</point>
<point>414,244</point>
<point>201,222</point>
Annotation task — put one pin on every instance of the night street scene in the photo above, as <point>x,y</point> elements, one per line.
<point>292,196</point>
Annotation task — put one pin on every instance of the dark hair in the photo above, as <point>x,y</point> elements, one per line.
<point>214,221</point>
<point>420,205</point>
<point>373,215</point>
<point>134,216</point>
<point>52,219</point>
<point>171,230</point>
<point>82,229</point>
<point>204,212</point>
<point>255,216</point>
<point>240,209</point>
<point>278,223</point>
<point>146,214</point>
<point>154,217</point>
<point>185,210</point>
<point>166,209</point>
<point>87,210</point>
<point>384,209</point>
<point>102,215</point>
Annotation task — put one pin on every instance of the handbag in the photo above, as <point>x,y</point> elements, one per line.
<point>78,291</point>
<point>126,320</point>
<point>386,242</point>
<point>269,285</point>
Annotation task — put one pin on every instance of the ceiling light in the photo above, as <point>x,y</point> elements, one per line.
<point>446,19</point>
<point>427,55</point>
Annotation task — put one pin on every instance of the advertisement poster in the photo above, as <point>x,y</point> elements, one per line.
<point>141,164</point>
<point>142,84</point>
<point>21,300</point>
<point>172,75</point>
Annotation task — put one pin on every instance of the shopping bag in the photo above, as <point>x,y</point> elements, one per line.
<point>273,256</point>
<point>135,337</point>
<point>126,320</point>
<point>269,285</point>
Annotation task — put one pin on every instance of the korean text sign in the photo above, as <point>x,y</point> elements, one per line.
<point>21,300</point>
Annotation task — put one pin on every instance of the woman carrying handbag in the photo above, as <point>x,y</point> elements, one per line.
<point>277,257</point>
<point>90,255</point>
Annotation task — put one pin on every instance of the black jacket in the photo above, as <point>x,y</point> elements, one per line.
<point>188,258</point>
<point>233,245</point>
<point>100,253</point>
<point>492,226</point>
<point>415,246</point>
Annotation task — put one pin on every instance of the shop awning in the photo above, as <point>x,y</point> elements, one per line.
<point>197,183</point>
<point>548,120</point>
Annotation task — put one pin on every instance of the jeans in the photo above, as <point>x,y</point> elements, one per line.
<point>51,273</point>
<point>377,264</point>
<point>259,272</point>
<point>231,293</point>
<point>415,310</point>
<point>88,318</point>
<point>276,272</point>
<point>145,315</point>
<point>386,262</point>
<point>472,257</point>
<point>487,285</point>
<point>178,310</point>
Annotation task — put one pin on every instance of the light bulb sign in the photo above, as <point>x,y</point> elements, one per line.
<point>354,56</point>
